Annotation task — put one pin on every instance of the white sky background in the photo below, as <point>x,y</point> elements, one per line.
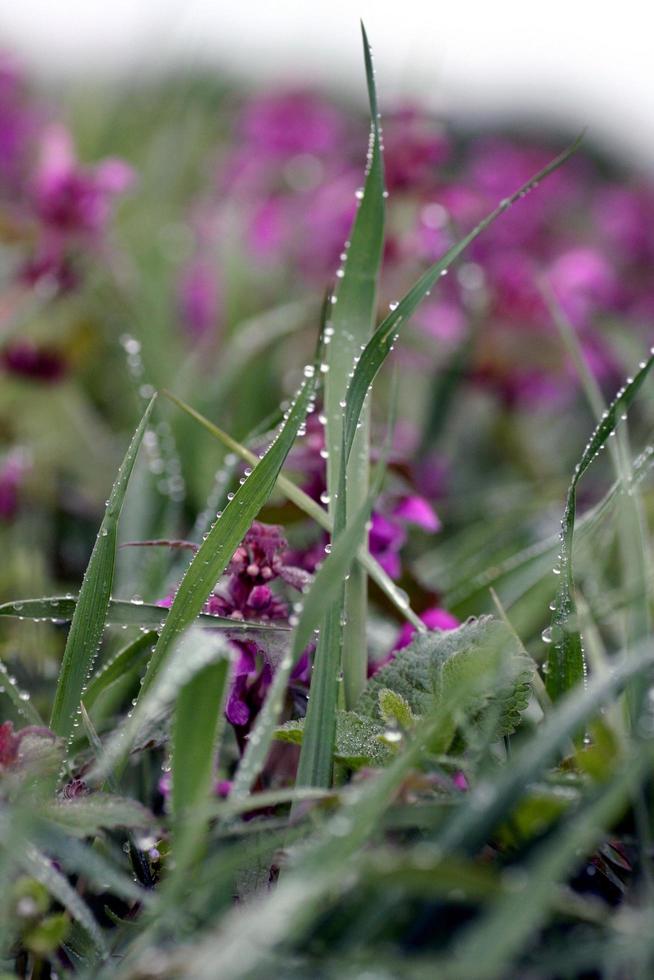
<point>579,62</point>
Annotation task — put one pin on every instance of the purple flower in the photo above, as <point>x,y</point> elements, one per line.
<point>287,124</point>
<point>434,619</point>
<point>584,283</point>
<point>25,360</point>
<point>416,510</point>
<point>71,200</point>
<point>388,533</point>
<point>415,148</point>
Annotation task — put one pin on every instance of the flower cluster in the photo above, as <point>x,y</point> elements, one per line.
<point>53,209</point>
<point>584,238</point>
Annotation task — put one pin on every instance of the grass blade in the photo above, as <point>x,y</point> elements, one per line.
<point>488,948</point>
<point>196,730</point>
<point>118,666</point>
<point>312,509</point>
<point>217,549</point>
<point>122,612</point>
<point>193,653</point>
<point>90,613</point>
<point>351,323</point>
<point>325,589</point>
<point>565,663</point>
<point>316,756</point>
<point>20,699</point>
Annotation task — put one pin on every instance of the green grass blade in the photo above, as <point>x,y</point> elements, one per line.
<point>124,660</point>
<point>565,663</point>
<point>40,867</point>
<point>488,948</point>
<point>312,509</point>
<point>19,698</point>
<point>383,340</point>
<point>350,326</point>
<point>193,653</point>
<point>217,549</point>
<point>196,730</point>
<point>316,756</point>
<point>122,612</point>
<point>90,613</point>
<point>325,590</point>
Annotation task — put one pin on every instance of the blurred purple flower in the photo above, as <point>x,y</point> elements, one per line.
<point>287,124</point>
<point>71,200</point>
<point>26,360</point>
<point>415,147</point>
<point>434,619</point>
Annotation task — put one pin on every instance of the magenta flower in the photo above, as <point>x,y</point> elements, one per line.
<point>24,359</point>
<point>287,124</point>
<point>388,533</point>
<point>418,511</point>
<point>434,619</point>
<point>71,200</point>
<point>584,283</point>
<point>415,148</point>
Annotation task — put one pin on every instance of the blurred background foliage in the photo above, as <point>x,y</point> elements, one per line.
<point>181,233</point>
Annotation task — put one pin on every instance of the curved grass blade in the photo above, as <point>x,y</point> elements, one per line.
<point>20,699</point>
<point>312,509</point>
<point>228,531</point>
<point>90,613</point>
<point>349,328</point>
<point>383,340</point>
<point>118,666</point>
<point>565,663</point>
<point>122,612</point>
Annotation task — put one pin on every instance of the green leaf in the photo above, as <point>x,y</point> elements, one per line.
<point>86,815</point>
<point>395,710</point>
<point>217,549</point>
<point>486,805</point>
<point>358,741</point>
<point>90,613</point>
<point>565,662</point>
<point>430,670</point>
<point>44,938</point>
